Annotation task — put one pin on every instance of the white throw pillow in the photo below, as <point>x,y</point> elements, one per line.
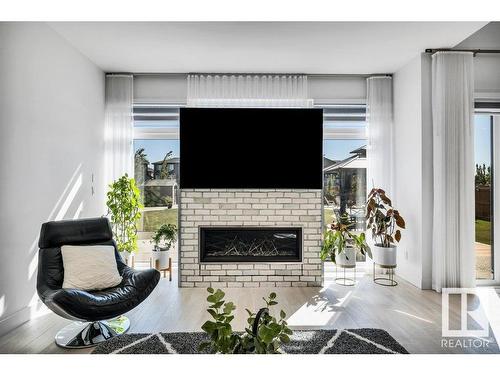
<point>90,267</point>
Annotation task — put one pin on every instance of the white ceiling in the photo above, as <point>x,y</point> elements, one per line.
<point>258,47</point>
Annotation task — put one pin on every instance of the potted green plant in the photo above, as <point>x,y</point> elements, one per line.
<point>385,223</point>
<point>124,205</point>
<point>340,244</point>
<point>163,238</point>
<point>264,333</point>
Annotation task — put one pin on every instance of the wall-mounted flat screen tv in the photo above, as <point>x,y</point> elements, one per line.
<point>247,148</point>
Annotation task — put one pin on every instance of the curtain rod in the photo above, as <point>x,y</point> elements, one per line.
<point>474,51</point>
<point>316,75</point>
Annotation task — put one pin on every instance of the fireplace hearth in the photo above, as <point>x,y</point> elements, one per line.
<point>250,238</point>
<point>244,244</point>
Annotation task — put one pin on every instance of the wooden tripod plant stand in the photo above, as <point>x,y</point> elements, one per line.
<point>164,270</point>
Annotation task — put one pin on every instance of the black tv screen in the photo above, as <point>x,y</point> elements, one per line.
<point>247,148</point>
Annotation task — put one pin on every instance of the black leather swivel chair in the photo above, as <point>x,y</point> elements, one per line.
<point>98,314</point>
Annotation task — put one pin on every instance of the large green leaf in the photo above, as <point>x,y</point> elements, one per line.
<point>219,294</point>
<point>228,307</point>
<point>209,327</point>
<point>213,313</point>
<point>265,334</point>
<point>217,305</point>
<point>284,338</point>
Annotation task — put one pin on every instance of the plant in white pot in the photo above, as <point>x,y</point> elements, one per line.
<point>163,239</point>
<point>385,223</point>
<point>341,245</point>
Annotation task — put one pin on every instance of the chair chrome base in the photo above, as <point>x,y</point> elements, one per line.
<point>88,334</point>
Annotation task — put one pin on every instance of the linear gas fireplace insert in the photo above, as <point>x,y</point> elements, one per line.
<point>250,244</point>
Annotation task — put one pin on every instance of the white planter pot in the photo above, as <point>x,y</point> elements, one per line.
<point>347,257</point>
<point>162,257</point>
<point>126,256</point>
<point>385,256</point>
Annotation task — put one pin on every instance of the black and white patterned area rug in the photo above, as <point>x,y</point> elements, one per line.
<point>341,341</point>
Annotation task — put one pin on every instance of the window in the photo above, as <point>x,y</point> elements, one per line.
<point>486,182</point>
<point>156,121</point>
<point>157,182</point>
<point>483,184</point>
<point>344,121</point>
<point>344,163</point>
<point>156,169</point>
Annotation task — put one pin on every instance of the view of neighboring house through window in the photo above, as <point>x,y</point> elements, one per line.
<point>344,188</point>
<point>156,170</point>
<point>344,165</point>
<point>483,132</point>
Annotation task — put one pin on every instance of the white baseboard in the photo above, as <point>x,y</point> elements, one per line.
<point>15,320</point>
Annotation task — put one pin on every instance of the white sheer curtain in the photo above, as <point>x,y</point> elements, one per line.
<point>453,262</point>
<point>247,90</point>
<point>380,133</point>
<point>118,133</point>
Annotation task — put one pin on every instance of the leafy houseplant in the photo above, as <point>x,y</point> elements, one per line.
<point>340,241</point>
<point>123,201</point>
<point>385,223</point>
<point>163,239</point>
<point>263,335</point>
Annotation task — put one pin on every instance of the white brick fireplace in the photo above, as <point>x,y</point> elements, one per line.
<point>250,208</point>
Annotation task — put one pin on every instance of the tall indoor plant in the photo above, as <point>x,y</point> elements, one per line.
<point>385,224</point>
<point>340,244</point>
<point>124,205</point>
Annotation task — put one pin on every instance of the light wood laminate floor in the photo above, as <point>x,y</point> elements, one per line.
<point>412,316</point>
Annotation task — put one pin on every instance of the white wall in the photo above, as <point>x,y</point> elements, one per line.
<point>487,76</point>
<point>51,142</point>
<point>407,196</point>
<point>337,88</point>
<point>413,168</point>
<point>173,88</point>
